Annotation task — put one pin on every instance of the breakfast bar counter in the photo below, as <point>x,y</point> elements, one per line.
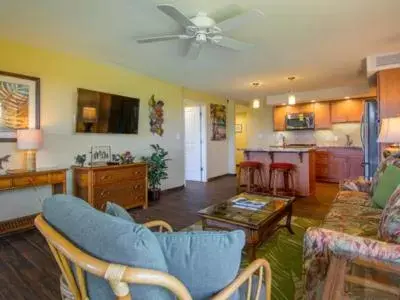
<point>302,157</point>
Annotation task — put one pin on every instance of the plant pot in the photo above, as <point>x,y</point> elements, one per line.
<point>154,194</point>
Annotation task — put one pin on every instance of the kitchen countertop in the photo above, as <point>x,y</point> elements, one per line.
<point>280,149</point>
<point>340,147</point>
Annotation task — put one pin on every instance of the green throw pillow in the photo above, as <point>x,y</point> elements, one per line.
<point>387,183</point>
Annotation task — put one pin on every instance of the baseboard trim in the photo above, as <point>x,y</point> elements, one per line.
<point>174,189</point>
<point>221,176</point>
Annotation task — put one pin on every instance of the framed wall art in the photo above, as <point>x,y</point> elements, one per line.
<point>218,122</point>
<point>19,104</point>
<point>100,155</point>
<point>238,128</point>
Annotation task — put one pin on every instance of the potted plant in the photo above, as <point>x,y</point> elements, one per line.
<point>157,170</point>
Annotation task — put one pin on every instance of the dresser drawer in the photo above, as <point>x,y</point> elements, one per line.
<point>128,195</point>
<point>31,180</point>
<point>118,175</point>
<point>57,177</point>
<point>5,184</point>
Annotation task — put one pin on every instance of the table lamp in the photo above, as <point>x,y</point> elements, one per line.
<point>390,134</point>
<point>89,116</point>
<point>29,140</point>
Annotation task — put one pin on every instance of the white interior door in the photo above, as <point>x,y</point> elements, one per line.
<point>193,155</point>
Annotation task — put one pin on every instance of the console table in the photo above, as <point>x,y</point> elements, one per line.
<point>26,179</point>
<point>125,185</point>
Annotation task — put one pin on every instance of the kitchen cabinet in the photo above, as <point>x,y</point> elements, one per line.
<point>322,113</point>
<point>334,164</point>
<point>389,93</point>
<point>279,118</point>
<point>347,111</point>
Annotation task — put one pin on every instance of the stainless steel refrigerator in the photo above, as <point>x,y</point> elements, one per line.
<point>369,136</point>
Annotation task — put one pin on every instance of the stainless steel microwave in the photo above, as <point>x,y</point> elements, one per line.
<point>300,121</point>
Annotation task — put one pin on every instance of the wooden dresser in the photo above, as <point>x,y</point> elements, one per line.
<point>27,179</point>
<point>125,185</point>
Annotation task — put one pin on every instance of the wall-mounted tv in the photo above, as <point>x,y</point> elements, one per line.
<point>106,113</point>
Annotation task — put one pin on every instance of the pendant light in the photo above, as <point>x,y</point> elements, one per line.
<point>256,102</point>
<point>292,96</point>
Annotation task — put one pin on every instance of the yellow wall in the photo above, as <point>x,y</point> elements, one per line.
<point>62,74</point>
<point>241,137</point>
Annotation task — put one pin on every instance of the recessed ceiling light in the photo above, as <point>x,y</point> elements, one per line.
<point>347,97</point>
<point>256,84</point>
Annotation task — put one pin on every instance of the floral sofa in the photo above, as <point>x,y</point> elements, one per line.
<point>355,254</point>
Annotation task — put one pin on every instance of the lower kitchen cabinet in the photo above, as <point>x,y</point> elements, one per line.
<point>334,164</point>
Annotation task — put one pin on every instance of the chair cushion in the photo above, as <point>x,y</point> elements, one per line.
<point>386,185</point>
<point>389,225</point>
<point>108,238</point>
<point>118,211</point>
<point>205,261</point>
<point>353,198</point>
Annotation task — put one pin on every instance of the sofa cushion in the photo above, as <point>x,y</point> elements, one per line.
<point>118,211</point>
<point>392,160</point>
<point>108,238</point>
<point>353,198</point>
<point>386,185</point>
<point>205,261</point>
<point>389,226</point>
<point>353,219</point>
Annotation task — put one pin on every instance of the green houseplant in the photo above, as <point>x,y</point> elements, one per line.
<point>157,170</point>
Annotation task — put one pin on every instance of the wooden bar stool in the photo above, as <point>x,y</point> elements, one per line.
<point>288,171</point>
<point>252,173</point>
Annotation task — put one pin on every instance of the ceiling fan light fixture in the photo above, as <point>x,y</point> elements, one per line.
<point>256,103</point>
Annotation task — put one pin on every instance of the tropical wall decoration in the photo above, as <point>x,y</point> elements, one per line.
<point>19,104</point>
<point>218,122</point>
<point>156,115</point>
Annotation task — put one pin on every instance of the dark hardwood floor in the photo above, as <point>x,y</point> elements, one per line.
<point>28,271</point>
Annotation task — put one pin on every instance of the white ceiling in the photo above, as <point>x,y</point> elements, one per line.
<point>322,42</point>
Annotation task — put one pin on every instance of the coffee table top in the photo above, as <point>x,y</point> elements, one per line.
<point>233,210</point>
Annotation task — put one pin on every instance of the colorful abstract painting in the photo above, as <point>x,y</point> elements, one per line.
<point>218,122</point>
<point>18,104</point>
<point>156,115</point>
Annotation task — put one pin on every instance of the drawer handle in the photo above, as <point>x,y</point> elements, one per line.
<point>136,187</point>
<point>105,177</point>
<point>104,193</point>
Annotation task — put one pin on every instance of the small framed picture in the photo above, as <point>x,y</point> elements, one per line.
<point>238,128</point>
<point>100,155</point>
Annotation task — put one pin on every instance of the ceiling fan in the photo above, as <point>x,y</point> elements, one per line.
<point>202,29</point>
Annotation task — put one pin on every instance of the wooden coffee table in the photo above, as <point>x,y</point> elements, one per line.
<point>257,224</point>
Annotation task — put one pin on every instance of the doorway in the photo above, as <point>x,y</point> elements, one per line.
<point>195,150</point>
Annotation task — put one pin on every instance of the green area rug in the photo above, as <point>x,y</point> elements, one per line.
<point>284,252</point>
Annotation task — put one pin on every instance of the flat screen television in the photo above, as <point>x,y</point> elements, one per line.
<point>106,113</point>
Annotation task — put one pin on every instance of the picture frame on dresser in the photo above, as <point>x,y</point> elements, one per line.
<point>20,104</point>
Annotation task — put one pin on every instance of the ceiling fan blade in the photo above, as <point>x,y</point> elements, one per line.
<point>175,14</point>
<point>230,43</point>
<point>161,38</point>
<point>194,50</point>
<point>237,21</point>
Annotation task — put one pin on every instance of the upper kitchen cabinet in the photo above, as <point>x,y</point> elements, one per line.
<point>279,118</point>
<point>389,93</point>
<point>347,111</point>
<point>322,113</point>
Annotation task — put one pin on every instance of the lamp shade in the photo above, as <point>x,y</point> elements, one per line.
<point>390,131</point>
<point>89,114</point>
<point>29,139</point>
